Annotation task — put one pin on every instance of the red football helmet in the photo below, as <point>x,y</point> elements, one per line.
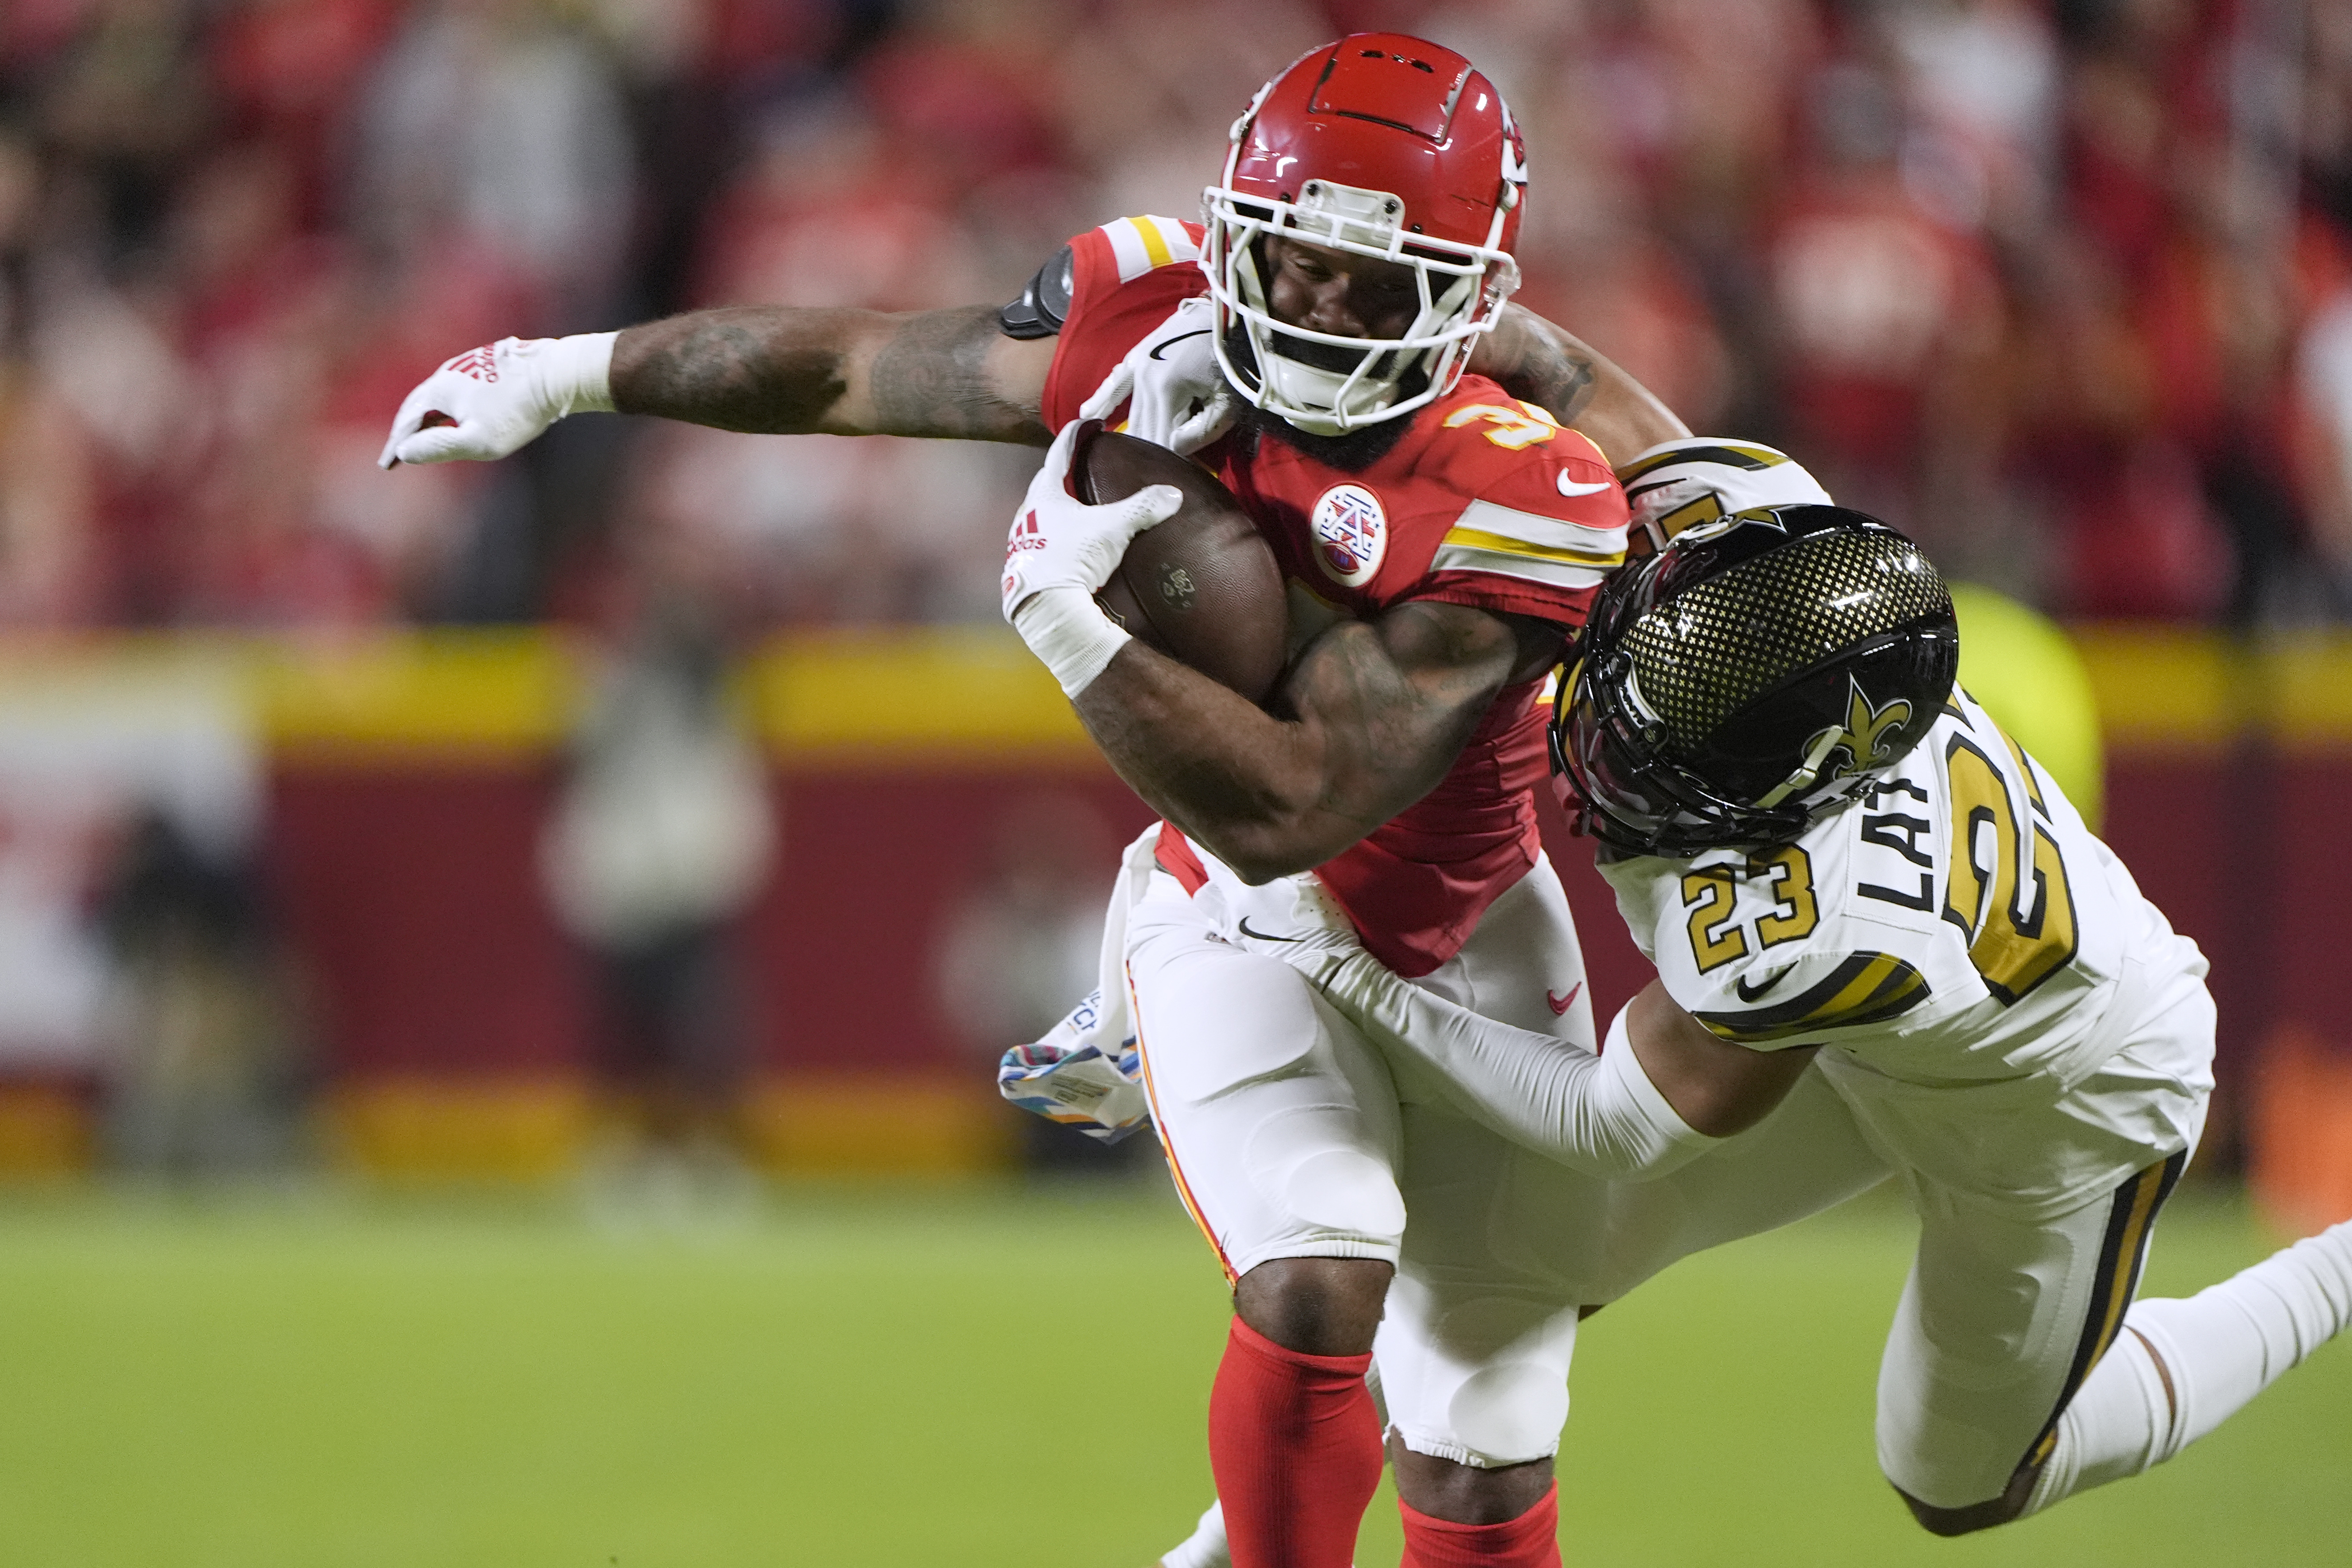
<point>1380,145</point>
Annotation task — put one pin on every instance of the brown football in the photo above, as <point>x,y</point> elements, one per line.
<point>1201,587</point>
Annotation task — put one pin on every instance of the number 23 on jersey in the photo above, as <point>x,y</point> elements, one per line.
<point>2006,886</point>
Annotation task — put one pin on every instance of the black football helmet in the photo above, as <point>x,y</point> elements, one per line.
<point>1736,687</point>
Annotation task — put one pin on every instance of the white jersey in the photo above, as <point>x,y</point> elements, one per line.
<point>1962,947</point>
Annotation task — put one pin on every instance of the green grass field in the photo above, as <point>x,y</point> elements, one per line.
<point>949,1377</point>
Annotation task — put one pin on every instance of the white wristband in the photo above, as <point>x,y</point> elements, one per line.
<point>576,373</point>
<point>1069,634</point>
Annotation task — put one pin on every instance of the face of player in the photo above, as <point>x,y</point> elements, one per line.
<point>1336,292</point>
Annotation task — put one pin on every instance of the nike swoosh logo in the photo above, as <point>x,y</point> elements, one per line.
<point>1177,339</point>
<point>1261,936</point>
<point>1567,489</point>
<point>1560,1004</point>
<point>1770,980</point>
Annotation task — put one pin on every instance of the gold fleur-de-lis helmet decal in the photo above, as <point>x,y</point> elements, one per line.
<point>1863,738</point>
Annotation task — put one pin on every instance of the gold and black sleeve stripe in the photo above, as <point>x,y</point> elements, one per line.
<point>2130,1221</point>
<point>1867,988</point>
<point>1700,508</point>
<point>1729,455</point>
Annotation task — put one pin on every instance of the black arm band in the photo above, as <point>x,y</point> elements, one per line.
<point>1044,302</point>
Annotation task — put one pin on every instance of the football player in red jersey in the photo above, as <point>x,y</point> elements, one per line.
<point>1399,442</point>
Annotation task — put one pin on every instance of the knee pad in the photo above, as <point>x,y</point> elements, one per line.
<point>1324,1185</point>
<point>1481,1381</point>
<point>1507,1413</point>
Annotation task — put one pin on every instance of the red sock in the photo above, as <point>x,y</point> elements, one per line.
<point>1296,1447</point>
<point>1531,1540</point>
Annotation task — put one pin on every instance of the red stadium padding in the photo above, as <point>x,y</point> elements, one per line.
<point>436,979</point>
<point>413,902</point>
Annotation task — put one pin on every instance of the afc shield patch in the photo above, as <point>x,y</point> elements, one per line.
<point>1351,534</point>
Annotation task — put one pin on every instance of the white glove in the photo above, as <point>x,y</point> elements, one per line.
<point>501,398</point>
<point>1061,550</point>
<point>1175,394</point>
<point>1679,484</point>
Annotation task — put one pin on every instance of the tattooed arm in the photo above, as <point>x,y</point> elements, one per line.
<point>781,370</point>
<point>757,367</point>
<point>1543,362</point>
<point>954,373</point>
<point>775,369</point>
<point>1369,719</point>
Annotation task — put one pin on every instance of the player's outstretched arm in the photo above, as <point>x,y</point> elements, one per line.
<point>1547,364</point>
<point>775,370</point>
<point>1368,719</point>
<point>1663,1091</point>
<point>762,368</point>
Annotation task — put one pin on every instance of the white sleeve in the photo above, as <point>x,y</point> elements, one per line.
<point>1599,1114</point>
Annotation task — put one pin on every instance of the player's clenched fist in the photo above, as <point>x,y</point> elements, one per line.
<point>488,400</point>
<point>1059,552</point>
<point>1059,542</point>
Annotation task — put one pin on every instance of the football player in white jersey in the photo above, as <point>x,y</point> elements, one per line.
<point>1871,909</point>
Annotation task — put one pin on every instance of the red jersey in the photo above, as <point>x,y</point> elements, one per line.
<point>1484,502</point>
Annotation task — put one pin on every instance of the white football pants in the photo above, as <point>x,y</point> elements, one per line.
<point>1289,1136</point>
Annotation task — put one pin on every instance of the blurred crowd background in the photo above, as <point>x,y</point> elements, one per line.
<point>2063,286</point>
